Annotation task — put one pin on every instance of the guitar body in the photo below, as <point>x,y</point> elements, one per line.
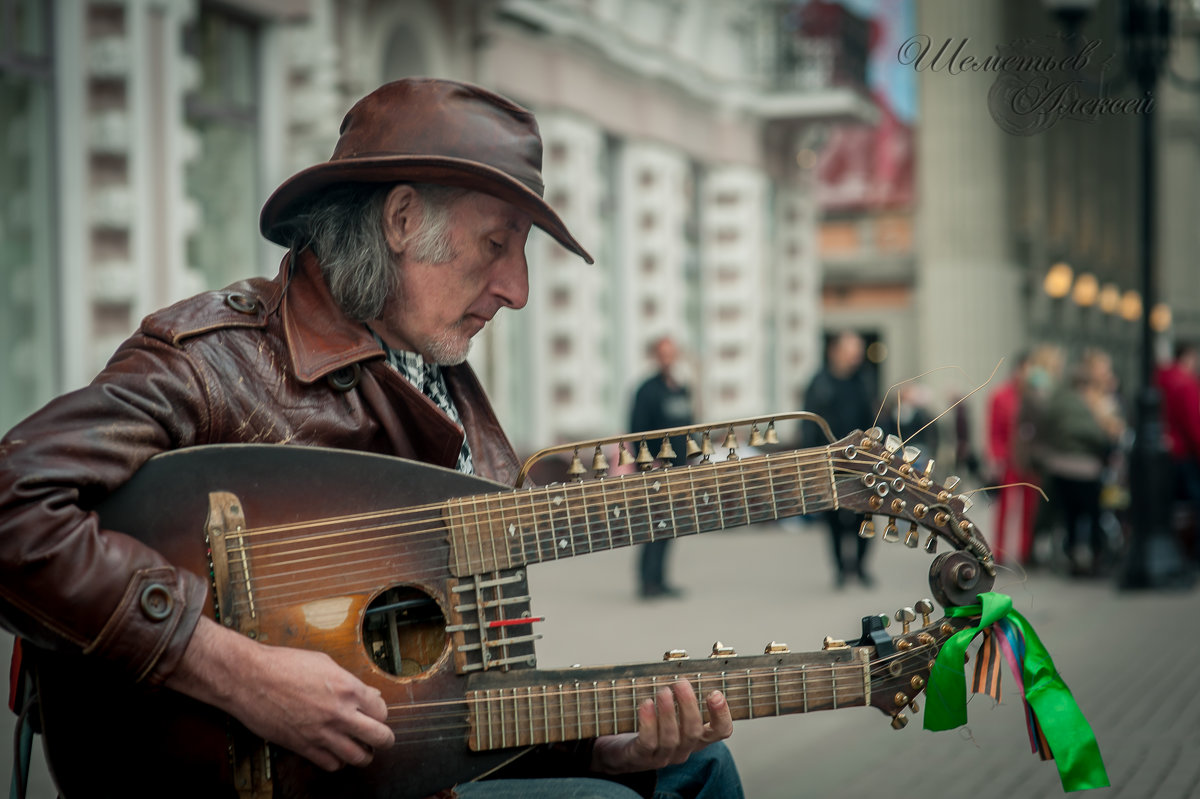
<point>104,735</point>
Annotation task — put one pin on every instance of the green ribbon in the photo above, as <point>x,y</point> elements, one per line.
<point>1071,739</point>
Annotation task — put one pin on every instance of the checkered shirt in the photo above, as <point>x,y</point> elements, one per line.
<point>428,378</point>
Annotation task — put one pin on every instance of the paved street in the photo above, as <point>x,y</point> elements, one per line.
<point>1129,660</point>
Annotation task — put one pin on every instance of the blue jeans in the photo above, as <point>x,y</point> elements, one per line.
<point>707,774</point>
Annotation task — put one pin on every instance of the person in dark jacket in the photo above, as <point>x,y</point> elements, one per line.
<point>661,401</point>
<point>402,247</point>
<point>842,394</point>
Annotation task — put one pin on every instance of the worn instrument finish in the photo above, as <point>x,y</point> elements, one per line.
<point>412,578</point>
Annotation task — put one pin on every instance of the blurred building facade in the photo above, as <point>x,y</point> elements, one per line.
<point>725,162</point>
<point>141,137</point>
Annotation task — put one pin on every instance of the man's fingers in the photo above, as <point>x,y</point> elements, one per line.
<point>720,720</point>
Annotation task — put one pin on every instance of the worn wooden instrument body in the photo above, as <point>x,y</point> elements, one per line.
<point>412,577</point>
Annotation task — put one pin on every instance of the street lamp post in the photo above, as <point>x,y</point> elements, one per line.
<point>1153,559</point>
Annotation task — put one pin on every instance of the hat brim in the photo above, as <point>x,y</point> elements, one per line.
<point>285,202</point>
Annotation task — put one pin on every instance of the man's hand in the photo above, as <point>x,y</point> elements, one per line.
<point>296,698</point>
<point>664,736</point>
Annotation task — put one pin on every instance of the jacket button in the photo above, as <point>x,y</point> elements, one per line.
<point>157,602</point>
<point>345,378</point>
<point>241,303</point>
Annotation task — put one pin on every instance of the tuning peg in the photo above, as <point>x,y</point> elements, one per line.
<point>891,444</point>
<point>756,438</point>
<point>575,470</point>
<point>599,463</point>
<point>875,433</point>
<point>691,448</point>
<point>644,460</point>
<point>924,607</point>
<point>675,654</point>
<point>905,616</point>
<point>624,459</point>
<point>928,473</point>
<point>776,648</point>
<point>867,528</point>
<point>910,454</point>
<point>899,721</point>
<point>666,452</point>
<point>967,502</point>
<point>719,650</point>
<point>950,483</point>
<point>772,436</point>
<point>931,543</point>
<point>912,537</point>
<point>890,533</point>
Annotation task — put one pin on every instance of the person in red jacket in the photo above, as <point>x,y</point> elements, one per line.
<point>1179,383</point>
<point>1016,508</point>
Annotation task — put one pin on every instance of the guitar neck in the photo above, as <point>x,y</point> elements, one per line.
<point>514,709</point>
<point>507,529</point>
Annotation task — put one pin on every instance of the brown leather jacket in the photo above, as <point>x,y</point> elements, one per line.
<point>269,361</point>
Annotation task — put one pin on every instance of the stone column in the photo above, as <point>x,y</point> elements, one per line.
<point>969,313</point>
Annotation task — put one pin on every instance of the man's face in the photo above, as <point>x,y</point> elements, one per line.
<point>438,307</point>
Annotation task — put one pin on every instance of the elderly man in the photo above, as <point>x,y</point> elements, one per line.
<point>401,248</point>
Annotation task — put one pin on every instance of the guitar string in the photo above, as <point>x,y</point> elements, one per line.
<point>813,690</point>
<point>746,510</point>
<point>622,483</point>
<point>280,573</point>
<point>370,548</point>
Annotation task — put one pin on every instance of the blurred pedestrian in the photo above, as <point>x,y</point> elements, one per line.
<point>1085,425</point>
<point>1179,383</point>
<point>1016,508</point>
<point>661,401</point>
<point>843,395</point>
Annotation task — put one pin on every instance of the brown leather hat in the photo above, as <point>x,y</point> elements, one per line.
<point>423,130</point>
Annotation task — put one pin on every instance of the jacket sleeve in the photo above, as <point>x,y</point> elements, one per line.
<point>66,584</point>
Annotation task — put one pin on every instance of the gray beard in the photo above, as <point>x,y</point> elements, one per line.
<point>446,350</point>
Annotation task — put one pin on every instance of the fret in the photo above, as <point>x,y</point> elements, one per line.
<point>749,693</point>
<point>478,536</point>
<point>458,545</point>
<point>562,712</point>
<point>833,683</point>
<point>775,678</point>
<point>770,464</point>
<point>612,692</point>
<point>604,512</point>
<point>503,724</point>
<point>741,470</point>
<point>578,715</point>
<point>491,526</point>
<point>487,698</point>
<point>545,716</point>
<point>832,488</point>
<point>529,713</point>
<point>667,477</point>
<point>596,707</point>
<point>650,526</point>
<point>804,685</point>
<point>800,483</point>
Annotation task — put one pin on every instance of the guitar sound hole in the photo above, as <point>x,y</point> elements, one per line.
<point>404,631</point>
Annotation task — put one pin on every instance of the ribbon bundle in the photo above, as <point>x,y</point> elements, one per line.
<point>1057,727</point>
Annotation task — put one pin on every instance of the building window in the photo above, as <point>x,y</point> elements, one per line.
<point>30,361</point>
<point>223,178</point>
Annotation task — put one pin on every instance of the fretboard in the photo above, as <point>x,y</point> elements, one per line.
<point>507,529</point>
<point>574,704</point>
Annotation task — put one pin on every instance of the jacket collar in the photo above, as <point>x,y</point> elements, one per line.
<point>320,338</point>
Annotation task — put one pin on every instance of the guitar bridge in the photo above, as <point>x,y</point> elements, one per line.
<point>233,587</point>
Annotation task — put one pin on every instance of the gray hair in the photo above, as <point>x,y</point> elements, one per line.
<point>344,228</point>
